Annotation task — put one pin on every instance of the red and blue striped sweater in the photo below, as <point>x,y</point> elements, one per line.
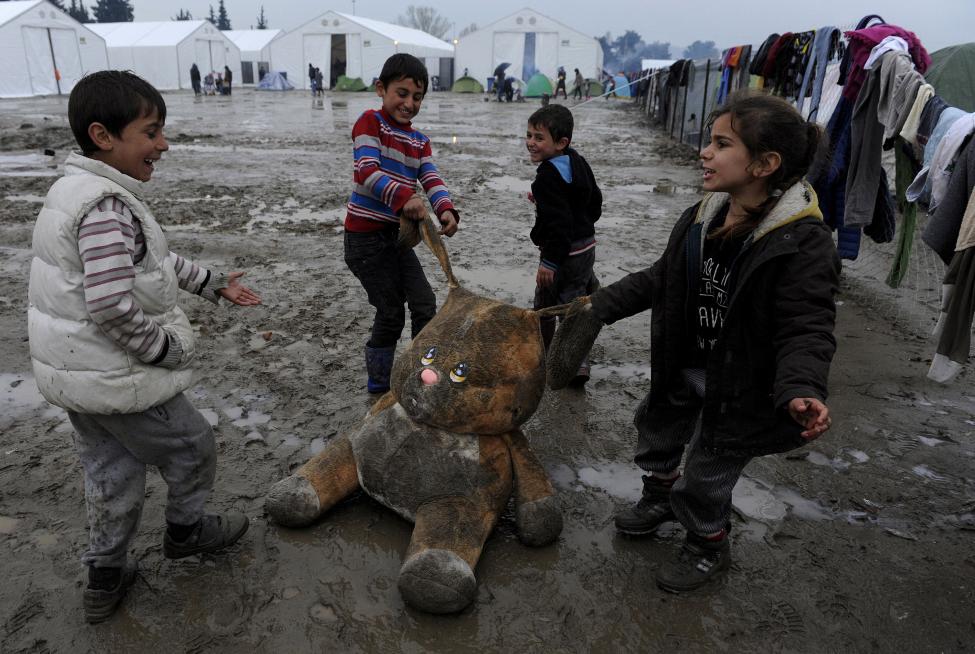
<point>389,160</point>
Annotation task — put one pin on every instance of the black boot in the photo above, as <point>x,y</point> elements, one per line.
<point>699,561</point>
<point>651,511</point>
<point>379,364</point>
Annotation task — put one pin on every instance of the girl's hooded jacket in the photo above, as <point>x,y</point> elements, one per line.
<point>777,340</point>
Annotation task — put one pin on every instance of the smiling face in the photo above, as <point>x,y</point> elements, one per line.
<point>727,163</point>
<point>401,98</point>
<point>540,144</point>
<point>135,150</point>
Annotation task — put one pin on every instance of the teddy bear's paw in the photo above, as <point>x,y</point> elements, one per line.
<point>539,522</point>
<point>437,581</point>
<point>293,502</point>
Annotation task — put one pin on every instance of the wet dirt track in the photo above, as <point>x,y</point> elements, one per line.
<point>861,542</point>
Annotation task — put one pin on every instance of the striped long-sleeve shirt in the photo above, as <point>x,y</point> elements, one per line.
<point>111,244</point>
<point>389,160</point>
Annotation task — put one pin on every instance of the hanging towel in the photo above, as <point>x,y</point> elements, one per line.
<point>909,130</point>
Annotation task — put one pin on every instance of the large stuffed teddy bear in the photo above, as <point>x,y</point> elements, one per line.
<point>443,447</point>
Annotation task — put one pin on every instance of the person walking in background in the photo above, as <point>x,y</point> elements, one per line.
<point>741,334</point>
<point>209,85</point>
<point>218,84</point>
<point>311,78</point>
<point>578,83</point>
<point>568,203</point>
<point>319,81</point>
<point>195,79</point>
<point>228,78</point>
<point>560,84</point>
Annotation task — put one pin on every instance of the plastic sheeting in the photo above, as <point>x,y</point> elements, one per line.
<point>275,81</point>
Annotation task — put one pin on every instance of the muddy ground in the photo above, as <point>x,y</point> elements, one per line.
<point>863,541</point>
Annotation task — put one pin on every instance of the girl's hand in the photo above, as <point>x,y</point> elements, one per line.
<point>238,293</point>
<point>448,223</point>
<point>811,414</point>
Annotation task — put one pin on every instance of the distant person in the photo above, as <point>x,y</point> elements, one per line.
<point>319,82</point>
<point>391,157</point>
<point>560,84</point>
<point>209,84</point>
<point>228,78</point>
<point>741,335</point>
<point>218,84</point>
<point>578,83</point>
<point>465,71</point>
<point>568,203</point>
<point>110,344</point>
<point>508,88</point>
<point>499,84</point>
<point>195,79</point>
<point>311,76</point>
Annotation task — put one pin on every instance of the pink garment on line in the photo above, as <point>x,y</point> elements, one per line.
<point>861,42</point>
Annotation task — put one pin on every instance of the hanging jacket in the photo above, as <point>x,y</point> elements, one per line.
<point>76,365</point>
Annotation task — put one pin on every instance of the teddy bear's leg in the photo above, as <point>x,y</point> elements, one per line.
<point>315,487</point>
<point>538,514</point>
<point>438,575</point>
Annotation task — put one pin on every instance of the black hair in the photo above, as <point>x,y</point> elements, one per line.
<point>556,118</point>
<point>113,98</point>
<point>404,66</point>
<point>767,123</point>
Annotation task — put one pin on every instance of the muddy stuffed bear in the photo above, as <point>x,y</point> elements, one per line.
<point>443,447</point>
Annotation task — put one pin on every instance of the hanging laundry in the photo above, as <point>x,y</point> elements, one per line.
<point>944,223</point>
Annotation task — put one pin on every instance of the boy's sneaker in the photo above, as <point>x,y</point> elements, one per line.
<point>699,561</point>
<point>651,511</point>
<point>211,534</point>
<point>100,603</point>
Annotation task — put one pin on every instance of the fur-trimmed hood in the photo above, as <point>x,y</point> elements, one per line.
<point>798,201</point>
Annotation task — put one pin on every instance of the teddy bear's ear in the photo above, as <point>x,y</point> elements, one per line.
<point>558,311</point>
<point>432,238</point>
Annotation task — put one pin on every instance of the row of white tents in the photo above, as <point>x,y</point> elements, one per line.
<point>45,51</point>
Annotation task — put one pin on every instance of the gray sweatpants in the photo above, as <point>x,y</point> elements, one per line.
<point>114,452</point>
<point>701,498</point>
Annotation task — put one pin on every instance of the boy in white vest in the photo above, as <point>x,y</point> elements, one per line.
<point>109,343</point>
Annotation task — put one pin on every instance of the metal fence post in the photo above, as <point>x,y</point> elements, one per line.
<point>683,111</point>
<point>704,105</point>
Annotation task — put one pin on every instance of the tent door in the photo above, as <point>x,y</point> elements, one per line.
<point>338,64</point>
<point>40,61</point>
<point>67,57</point>
<point>528,60</point>
<point>353,56</point>
<point>203,60</point>
<point>446,72</point>
<point>316,48</point>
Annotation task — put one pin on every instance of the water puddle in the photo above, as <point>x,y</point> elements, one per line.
<point>510,184</point>
<point>262,220</point>
<point>8,525</point>
<point>756,500</point>
<point>927,473</point>
<point>242,417</point>
<point>930,442</point>
<point>27,165</point>
<point>621,370</point>
<point>25,198</point>
<point>19,395</point>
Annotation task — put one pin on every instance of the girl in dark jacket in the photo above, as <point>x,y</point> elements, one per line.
<point>741,330</point>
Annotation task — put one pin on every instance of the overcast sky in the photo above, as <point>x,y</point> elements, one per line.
<point>938,23</point>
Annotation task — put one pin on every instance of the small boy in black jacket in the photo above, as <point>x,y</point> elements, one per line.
<point>567,205</point>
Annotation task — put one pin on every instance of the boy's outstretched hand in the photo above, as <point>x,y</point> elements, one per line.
<point>448,223</point>
<point>238,293</point>
<point>811,414</point>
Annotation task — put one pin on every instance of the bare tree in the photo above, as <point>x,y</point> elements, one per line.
<point>261,20</point>
<point>184,14</point>
<point>426,19</point>
<point>467,30</point>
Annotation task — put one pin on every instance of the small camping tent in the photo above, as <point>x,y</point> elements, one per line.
<point>340,44</point>
<point>952,74</point>
<point>345,83</point>
<point>255,52</point>
<point>538,86</point>
<point>44,51</point>
<point>532,43</point>
<point>623,88</point>
<point>467,85</point>
<point>274,80</point>
<point>163,51</point>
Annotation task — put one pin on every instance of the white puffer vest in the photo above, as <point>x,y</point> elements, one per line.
<point>77,366</point>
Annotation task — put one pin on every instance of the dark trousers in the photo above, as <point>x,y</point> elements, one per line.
<point>574,278</point>
<point>701,498</point>
<point>392,277</point>
<point>196,86</point>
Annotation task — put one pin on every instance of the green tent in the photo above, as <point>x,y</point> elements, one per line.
<point>538,85</point>
<point>952,74</point>
<point>349,84</point>
<point>595,88</point>
<point>467,85</point>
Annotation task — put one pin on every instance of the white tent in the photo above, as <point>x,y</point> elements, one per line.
<point>43,50</point>
<point>340,44</point>
<point>531,43</point>
<point>163,51</point>
<point>255,52</point>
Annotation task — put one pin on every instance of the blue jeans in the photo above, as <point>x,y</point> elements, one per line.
<point>392,277</point>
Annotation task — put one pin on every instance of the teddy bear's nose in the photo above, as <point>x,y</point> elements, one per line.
<point>429,376</point>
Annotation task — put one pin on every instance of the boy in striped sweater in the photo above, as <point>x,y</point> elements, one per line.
<point>391,157</point>
<point>110,344</point>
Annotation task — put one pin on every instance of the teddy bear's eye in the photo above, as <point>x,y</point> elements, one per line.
<point>459,373</point>
<point>428,358</point>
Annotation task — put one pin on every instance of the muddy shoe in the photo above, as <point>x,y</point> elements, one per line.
<point>698,562</point>
<point>106,588</point>
<point>651,511</point>
<point>211,534</point>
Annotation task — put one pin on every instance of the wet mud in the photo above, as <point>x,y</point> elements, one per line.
<point>862,541</point>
